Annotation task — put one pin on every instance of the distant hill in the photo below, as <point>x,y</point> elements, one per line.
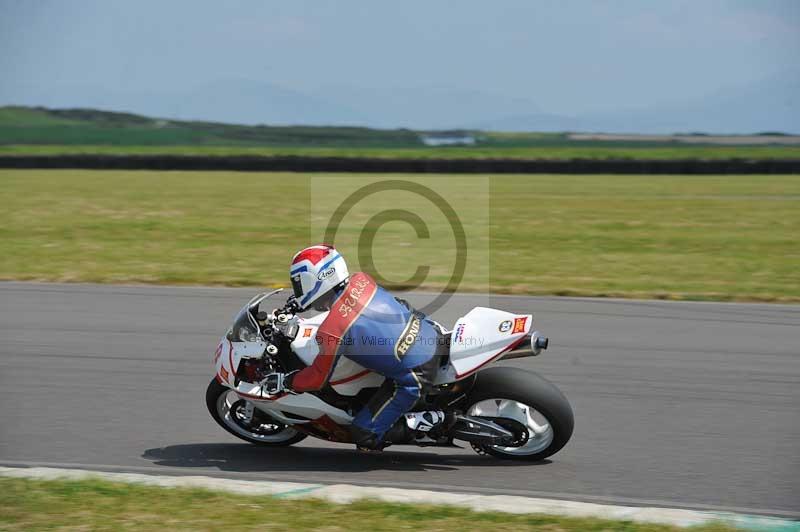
<point>771,104</point>
<point>229,100</point>
<point>38,125</point>
<point>428,107</point>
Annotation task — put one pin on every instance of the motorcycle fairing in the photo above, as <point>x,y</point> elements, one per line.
<point>304,344</point>
<point>481,337</point>
<point>229,354</point>
<point>227,358</point>
<point>306,406</point>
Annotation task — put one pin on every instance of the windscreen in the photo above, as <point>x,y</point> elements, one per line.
<point>244,328</point>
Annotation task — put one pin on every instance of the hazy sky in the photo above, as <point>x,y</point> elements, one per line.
<point>568,56</point>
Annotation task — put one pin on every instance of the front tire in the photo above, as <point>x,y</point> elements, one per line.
<point>227,409</point>
<point>528,399</point>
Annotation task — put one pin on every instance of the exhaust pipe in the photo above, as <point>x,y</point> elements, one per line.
<point>533,344</point>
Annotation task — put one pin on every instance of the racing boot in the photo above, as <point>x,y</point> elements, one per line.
<point>429,427</point>
<point>424,421</point>
<point>367,441</point>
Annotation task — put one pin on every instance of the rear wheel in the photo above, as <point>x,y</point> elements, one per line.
<point>241,419</point>
<point>526,403</point>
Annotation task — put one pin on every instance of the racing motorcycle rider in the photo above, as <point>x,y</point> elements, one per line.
<point>374,329</point>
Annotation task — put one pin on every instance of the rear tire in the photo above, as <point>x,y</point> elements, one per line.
<point>529,389</point>
<point>216,393</point>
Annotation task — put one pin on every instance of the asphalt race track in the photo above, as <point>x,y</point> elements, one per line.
<point>679,404</point>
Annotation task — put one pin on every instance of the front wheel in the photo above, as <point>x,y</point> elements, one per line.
<point>527,402</point>
<point>238,417</point>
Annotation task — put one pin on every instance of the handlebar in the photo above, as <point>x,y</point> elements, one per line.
<point>278,324</point>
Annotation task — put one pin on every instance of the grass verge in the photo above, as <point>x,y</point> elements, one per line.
<point>100,505</point>
<point>730,238</point>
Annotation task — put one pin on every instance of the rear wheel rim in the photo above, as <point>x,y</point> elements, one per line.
<point>540,431</point>
<point>234,413</point>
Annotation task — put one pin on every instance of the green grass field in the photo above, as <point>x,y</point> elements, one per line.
<point>724,238</point>
<point>98,505</point>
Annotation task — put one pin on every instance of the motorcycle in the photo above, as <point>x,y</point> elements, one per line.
<point>501,411</point>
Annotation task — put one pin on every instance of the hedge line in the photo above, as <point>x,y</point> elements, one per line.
<point>380,165</point>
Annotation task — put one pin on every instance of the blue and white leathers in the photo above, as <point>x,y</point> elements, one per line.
<point>391,340</point>
<point>369,326</point>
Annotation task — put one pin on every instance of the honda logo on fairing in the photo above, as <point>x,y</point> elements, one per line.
<point>327,273</point>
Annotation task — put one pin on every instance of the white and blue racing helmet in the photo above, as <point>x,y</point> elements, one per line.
<point>315,271</point>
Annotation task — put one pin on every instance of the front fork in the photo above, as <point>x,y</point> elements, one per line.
<point>249,410</point>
